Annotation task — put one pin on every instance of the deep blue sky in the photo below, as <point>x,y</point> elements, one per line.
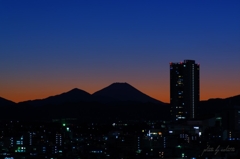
<point>48,47</point>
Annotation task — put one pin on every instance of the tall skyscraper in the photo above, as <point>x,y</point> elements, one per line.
<point>184,90</point>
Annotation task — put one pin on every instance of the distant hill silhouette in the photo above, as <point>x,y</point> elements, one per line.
<point>123,92</point>
<point>73,96</point>
<point>5,102</point>
<point>218,105</point>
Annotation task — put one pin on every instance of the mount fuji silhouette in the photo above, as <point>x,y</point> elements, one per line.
<point>123,92</point>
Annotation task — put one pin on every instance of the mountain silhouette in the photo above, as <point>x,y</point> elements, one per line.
<point>218,105</point>
<point>123,92</point>
<point>116,92</point>
<point>5,102</point>
<point>117,101</point>
<point>72,96</point>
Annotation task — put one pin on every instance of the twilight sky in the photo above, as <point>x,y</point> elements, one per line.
<point>49,46</point>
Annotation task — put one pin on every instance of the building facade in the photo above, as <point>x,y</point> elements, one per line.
<point>184,90</point>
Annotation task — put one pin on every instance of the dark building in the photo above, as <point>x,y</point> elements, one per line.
<point>231,118</point>
<point>184,90</point>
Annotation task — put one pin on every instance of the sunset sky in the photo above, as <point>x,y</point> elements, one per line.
<point>48,47</point>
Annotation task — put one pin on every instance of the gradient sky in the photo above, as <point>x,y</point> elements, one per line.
<point>48,47</point>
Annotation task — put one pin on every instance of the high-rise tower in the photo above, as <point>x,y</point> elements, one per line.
<point>184,90</point>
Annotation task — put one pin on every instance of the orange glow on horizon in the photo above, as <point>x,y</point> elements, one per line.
<point>156,87</point>
<point>158,93</point>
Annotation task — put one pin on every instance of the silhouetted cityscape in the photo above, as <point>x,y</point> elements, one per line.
<point>121,122</point>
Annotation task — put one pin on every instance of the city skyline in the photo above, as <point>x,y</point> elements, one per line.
<point>50,47</point>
